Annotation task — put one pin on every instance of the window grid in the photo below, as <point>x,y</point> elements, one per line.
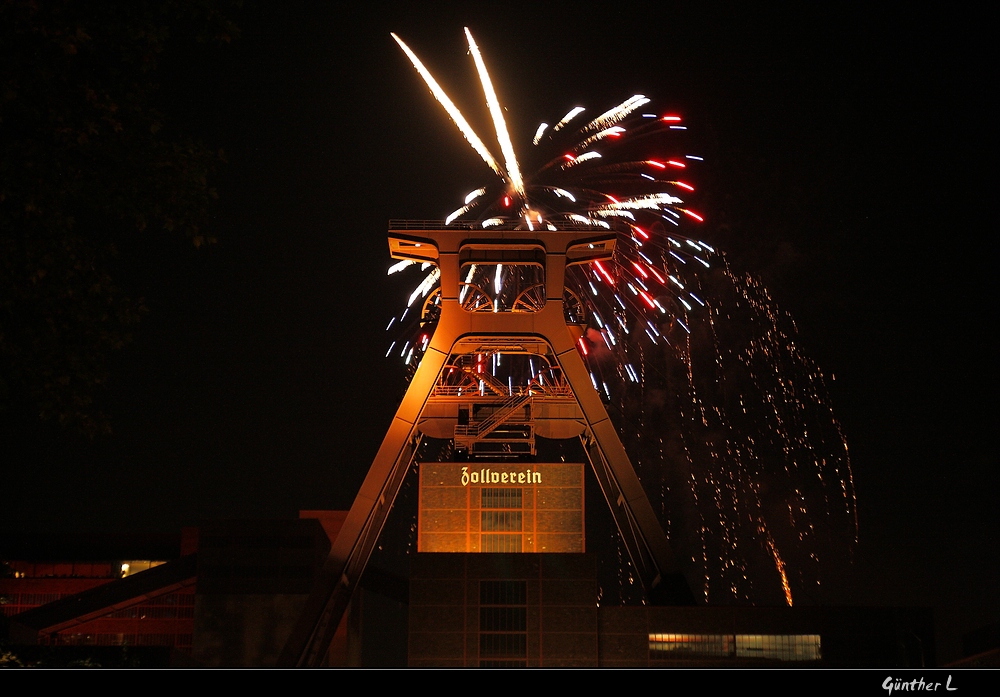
<point>503,624</point>
<point>486,663</point>
<point>501,521</point>
<point>493,497</point>
<point>503,619</point>
<point>500,513</point>
<point>503,592</point>
<point>500,543</point>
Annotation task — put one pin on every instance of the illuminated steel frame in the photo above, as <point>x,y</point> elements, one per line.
<point>448,248</point>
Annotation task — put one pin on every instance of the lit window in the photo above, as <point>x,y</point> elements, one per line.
<point>501,521</point>
<point>775,647</point>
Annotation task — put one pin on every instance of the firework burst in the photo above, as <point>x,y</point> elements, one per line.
<point>726,420</point>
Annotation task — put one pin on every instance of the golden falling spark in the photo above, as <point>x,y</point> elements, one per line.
<point>738,408</point>
<point>652,201</point>
<point>538,133</point>
<point>568,117</point>
<point>503,137</point>
<point>779,565</point>
<point>613,116</point>
<point>614,131</point>
<point>425,286</point>
<point>450,107</point>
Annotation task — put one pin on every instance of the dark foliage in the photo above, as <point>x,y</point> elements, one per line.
<point>88,160</point>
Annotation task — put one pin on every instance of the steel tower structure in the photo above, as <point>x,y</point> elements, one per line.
<point>537,321</point>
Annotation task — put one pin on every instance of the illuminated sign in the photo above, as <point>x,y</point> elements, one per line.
<point>486,476</point>
<point>500,507</point>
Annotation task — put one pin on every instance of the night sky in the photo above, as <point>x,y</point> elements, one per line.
<point>846,165</point>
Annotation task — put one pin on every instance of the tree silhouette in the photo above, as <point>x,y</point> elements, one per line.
<point>87,161</point>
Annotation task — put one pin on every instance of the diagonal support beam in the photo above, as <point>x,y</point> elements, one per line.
<point>640,529</point>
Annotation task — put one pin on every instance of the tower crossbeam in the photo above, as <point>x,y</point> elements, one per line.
<point>539,328</point>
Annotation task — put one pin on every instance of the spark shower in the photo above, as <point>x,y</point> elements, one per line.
<point>727,422</point>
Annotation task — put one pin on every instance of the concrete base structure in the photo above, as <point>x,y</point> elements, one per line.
<point>249,580</point>
<point>541,610</point>
<point>503,610</point>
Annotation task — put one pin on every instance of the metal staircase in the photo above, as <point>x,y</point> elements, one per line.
<point>485,438</point>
